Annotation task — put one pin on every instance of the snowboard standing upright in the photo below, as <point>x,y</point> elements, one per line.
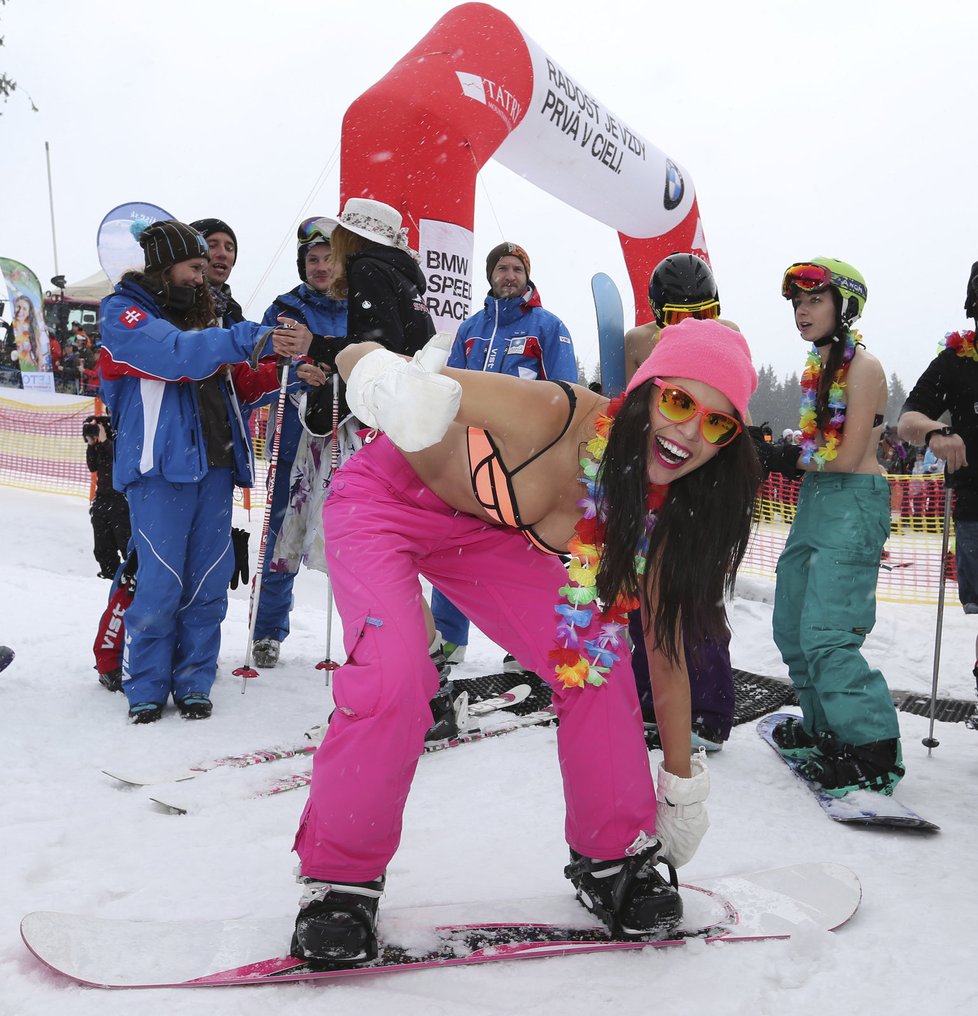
<point>611,334</point>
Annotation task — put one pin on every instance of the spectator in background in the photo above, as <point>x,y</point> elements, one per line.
<point>949,387</point>
<point>512,334</point>
<point>109,509</point>
<point>222,255</point>
<point>54,345</point>
<point>310,304</point>
<point>681,286</point>
<point>71,370</point>
<point>89,372</point>
<point>80,337</point>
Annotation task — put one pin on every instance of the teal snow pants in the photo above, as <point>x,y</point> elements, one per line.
<point>825,605</point>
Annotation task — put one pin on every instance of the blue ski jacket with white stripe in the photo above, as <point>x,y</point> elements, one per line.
<point>150,369</point>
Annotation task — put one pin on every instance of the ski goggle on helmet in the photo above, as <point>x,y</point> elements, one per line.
<point>313,230</point>
<point>678,406</point>
<point>819,274</point>
<point>672,314</point>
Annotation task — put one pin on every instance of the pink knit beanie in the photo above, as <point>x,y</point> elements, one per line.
<point>704,351</point>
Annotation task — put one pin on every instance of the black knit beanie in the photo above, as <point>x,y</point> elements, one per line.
<point>207,226</point>
<point>169,242</point>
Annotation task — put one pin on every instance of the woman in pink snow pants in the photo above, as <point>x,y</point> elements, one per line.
<point>477,483</point>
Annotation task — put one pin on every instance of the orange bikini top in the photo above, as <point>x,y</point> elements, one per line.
<point>492,482</point>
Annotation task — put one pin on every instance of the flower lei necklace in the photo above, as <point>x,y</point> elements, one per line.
<point>588,633</point>
<point>963,344</point>
<point>832,431</point>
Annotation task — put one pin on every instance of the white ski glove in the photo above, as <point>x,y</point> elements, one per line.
<point>410,401</point>
<point>680,818</point>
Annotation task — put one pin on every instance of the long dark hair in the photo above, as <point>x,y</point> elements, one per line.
<point>699,538</point>
<point>201,314</point>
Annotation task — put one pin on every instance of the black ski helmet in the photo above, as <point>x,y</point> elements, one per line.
<point>680,279</point>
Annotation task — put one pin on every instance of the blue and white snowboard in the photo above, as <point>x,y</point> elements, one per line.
<point>859,807</point>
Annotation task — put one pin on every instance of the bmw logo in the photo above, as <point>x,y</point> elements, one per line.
<point>675,188</point>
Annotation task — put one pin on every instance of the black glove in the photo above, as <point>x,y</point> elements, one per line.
<point>778,458</point>
<point>239,540</point>
<point>128,576</point>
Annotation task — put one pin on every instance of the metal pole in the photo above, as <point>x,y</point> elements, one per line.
<point>54,236</point>
<point>334,460</point>
<point>930,741</point>
<point>247,671</point>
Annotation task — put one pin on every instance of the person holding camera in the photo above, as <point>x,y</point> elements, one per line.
<point>109,509</point>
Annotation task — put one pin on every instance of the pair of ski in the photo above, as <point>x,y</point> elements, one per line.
<point>772,904</point>
<point>173,801</point>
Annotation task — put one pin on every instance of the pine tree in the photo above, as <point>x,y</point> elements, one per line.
<point>895,400</point>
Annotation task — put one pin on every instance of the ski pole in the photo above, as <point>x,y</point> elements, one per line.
<point>334,460</point>
<point>930,741</point>
<point>247,670</point>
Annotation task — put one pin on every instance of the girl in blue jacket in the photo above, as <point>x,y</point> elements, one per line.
<point>182,444</point>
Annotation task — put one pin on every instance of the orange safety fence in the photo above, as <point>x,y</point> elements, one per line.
<point>41,449</point>
<point>910,566</point>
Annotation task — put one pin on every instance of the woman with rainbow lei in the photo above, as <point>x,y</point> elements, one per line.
<point>651,495</point>
<point>825,599</point>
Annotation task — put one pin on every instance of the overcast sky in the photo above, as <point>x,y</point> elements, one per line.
<point>808,129</point>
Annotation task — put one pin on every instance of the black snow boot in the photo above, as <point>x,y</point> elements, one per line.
<point>628,894</point>
<point>337,922</point>
<point>445,708</point>
<point>196,706</point>
<point>112,680</point>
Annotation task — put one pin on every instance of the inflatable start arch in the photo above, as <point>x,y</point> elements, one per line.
<point>476,87</point>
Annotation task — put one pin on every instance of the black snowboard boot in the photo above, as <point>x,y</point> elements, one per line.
<point>875,766</point>
<point>337,922</point>
<point>628,894</point>
<point>793,740</point>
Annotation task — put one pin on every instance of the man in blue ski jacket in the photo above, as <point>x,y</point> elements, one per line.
<point>309,304</point>
<point>512,334</point>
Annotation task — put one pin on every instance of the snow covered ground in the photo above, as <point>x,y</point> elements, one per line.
<point>484,821</point>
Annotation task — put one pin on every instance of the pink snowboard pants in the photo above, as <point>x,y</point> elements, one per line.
<point>384,527</point>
